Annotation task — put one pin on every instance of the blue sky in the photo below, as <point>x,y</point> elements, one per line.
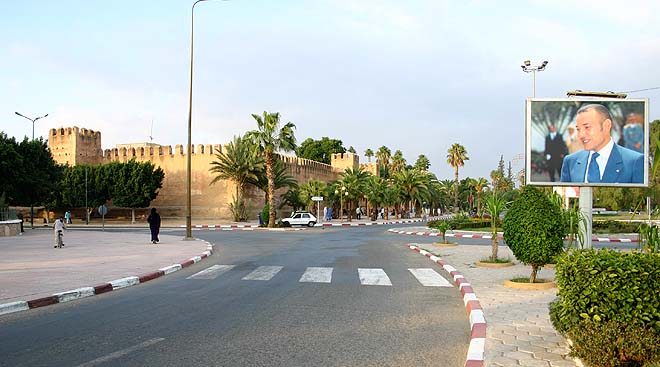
<point>416,75</point>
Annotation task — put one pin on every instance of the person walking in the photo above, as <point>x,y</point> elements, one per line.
<point>358,212</point>
<point>58,231</point>
<point>67,217</point>
<point>154,225</point>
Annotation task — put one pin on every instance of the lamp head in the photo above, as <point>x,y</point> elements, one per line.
<point>527,63</point>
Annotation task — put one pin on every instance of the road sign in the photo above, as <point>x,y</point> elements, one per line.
<point>317,198</point>
<point>103,210</point>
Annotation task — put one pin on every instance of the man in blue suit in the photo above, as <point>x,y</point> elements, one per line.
<point>602,160</point>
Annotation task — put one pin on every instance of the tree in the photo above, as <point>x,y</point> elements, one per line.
<point>239,162</point>
<point>320,150</point>
<point>84,185</point>
<point>354,180</point>
<point>479,185</point>
<point>282,179</point>
<point>270,138</point>
<point>413,184</point>
<point>534,229</point>
<point>135,184</point>
<point>11,167</point>
<point>375,191</point>
<point>310,189</point>
<point>456,157</point>
<point>383,156</point>
<point>351,150</point>
<point>422,163</point>
<point>495,205</point>
<point>369,153</point>
<point>398,162</point>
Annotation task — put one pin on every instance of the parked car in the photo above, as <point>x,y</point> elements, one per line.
<point>300,218</point>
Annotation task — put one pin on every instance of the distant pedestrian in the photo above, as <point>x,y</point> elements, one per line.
<point>329,214</point>
<point>325,213</point>
<point>67,217</point>
<point>358,211</point>
<point>154,225</point>
<point>58,232</point>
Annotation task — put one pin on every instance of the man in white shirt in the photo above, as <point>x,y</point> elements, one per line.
<point>58,227</point>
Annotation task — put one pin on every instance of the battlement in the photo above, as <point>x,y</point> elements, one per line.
<point>341,161</point>
<point>85,133</point>
<point>128,151</point>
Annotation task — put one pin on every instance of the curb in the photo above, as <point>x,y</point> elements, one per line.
<point>487,236</point>
<point>476,350</point>
<point>240,227</point>
<point>112,285</point>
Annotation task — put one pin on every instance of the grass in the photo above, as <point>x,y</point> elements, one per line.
<point>499,260</point>
<point>526,280</point>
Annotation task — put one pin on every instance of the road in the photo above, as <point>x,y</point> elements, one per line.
<point>319,297</point>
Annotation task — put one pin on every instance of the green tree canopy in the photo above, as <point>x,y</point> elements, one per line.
<point>320,150</point>
<point>135,184</point>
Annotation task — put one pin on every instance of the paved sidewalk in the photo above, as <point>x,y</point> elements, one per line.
<point>30,268</point>
<point>519,332</point>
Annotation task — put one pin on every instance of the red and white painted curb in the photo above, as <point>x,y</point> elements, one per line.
<point>499,237</point>
<point>240,227</point>
<point>112,285</point>
<point>350,224</point>
<point>476,350</point>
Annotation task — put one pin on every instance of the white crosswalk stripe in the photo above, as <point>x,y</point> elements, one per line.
<point>430,278</point>
<point>211,272</point>
<point>373,277</point>
<point>263,273</point>
<point>317,275</point>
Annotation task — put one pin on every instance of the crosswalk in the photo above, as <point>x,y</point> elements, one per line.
<point>426,277</point>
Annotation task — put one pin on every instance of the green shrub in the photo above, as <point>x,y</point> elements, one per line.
<point>614,226</point>
<point>265,215</point>
<point>442,226</point>
<point>534,229</point>
<point>609,305</point>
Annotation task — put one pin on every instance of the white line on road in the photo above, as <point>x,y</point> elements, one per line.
<point>211,272</point>
<point>317,275</point>
<point>121,353</point>
<point>430,278</point>
<point>263,273</point>
<point>373,277</point>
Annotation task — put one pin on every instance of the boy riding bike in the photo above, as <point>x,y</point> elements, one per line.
<point>58,229</point>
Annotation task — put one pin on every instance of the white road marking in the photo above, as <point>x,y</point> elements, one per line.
<point>373,277</point>
<point>430,278</point>
<point>263,273</point>
<point>211,272</point>
<point>317,275</point>
<point>121,353</point>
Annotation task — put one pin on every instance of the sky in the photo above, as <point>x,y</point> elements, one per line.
<point>416,75</point>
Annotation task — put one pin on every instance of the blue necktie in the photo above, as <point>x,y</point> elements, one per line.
<point>593,175</point>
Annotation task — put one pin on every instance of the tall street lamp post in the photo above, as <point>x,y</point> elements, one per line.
<point>341,201</point>
<point>528,68</point>
<point>31,203</point>
<point>188,160</point>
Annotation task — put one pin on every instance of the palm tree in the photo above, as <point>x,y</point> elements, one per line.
<point>495,204</point>
<point>422,163</point>
<point>446,189</point>
<point>310,189</point>
<point>282,179</point>
<point>383,156</point>
<point>456,157</point>
<point>413,184</point>
<point>391,197</point>
<point>270,138</point>
<point>239,162</point>
<point>398,162</point>
<point>374,191</point>
<point>479,185</point>
<point>354,180</point>
<point>369,153</point>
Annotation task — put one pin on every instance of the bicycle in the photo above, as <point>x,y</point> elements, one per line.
<point>60,242</point>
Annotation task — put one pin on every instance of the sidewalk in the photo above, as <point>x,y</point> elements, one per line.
<point>30,268</point>
<point>518,331</point>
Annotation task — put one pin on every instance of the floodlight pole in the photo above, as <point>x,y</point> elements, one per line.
<point>31,203</point>
<point>528,68</point>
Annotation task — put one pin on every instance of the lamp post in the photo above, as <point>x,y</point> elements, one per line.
<point>528,68</point>
<point>31,203</point>
<point>188,159</point>
<point>341,201</point>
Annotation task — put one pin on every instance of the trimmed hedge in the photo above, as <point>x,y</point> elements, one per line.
<point>614,226</point>
<point>609,305</point>
<point>461,223</point>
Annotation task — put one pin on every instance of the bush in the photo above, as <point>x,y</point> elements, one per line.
<point>609,305</point>
<point>265,215</point>
<point>534,229</point>
<point>613,226</point>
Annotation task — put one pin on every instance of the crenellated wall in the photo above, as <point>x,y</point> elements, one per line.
<point>76,146</point>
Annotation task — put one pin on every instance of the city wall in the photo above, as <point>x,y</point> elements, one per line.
<point>77,146</point>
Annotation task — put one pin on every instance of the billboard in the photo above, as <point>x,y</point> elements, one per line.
<point>587,142</point>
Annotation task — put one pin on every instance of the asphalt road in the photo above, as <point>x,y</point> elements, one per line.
<point>226,318</point>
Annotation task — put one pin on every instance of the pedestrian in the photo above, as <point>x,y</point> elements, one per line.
<point>154,225</point>
<point>358,212</point>
<point>67,217</point>
<point>325,213</point>
<point>329,214</point>
<point>58,230</point>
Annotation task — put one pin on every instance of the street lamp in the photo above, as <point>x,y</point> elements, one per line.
<point>31,203</point>
<point>341,194</point>
<point>528,68</point>
<point>188,160</point>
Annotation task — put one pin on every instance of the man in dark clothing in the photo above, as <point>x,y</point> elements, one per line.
<point>154,225</point>
<point>555,150</point>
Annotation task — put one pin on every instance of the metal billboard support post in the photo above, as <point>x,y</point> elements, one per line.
<point>586,203</point>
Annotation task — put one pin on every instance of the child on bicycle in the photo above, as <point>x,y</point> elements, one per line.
<point>58,231</point>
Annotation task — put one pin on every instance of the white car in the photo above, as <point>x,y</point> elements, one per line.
<point>300,218</point>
